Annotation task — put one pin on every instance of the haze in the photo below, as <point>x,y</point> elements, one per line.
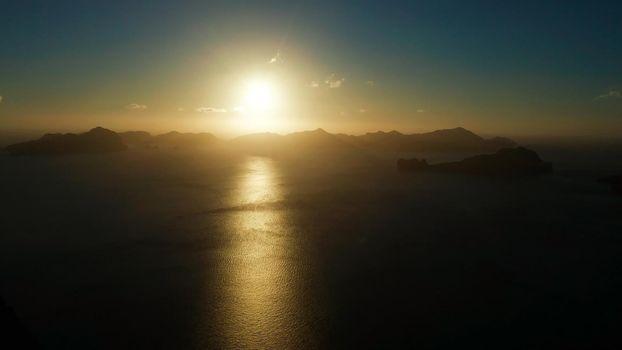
<point>522,69</point>
<point>310,174</point>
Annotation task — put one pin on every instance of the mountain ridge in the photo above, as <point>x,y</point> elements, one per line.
<point>96,140</point>
<point>100,139</point>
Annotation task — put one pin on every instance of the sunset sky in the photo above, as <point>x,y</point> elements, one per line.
<point>233,67</point>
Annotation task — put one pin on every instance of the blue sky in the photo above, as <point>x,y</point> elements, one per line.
<point>530,67</point>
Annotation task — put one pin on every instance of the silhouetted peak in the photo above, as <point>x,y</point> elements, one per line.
<point>310,133</point>
<point>456,133</point>
<point>95,140</point>
<point>319,131</point>
<point>100,131</point>
<point>459,130</point>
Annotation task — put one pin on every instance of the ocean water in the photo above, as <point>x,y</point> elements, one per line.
<point>184,250</point>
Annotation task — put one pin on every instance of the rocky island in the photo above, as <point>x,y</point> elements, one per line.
<point>505,162</point>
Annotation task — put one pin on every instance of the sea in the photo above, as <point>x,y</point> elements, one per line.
<point>177,249</point>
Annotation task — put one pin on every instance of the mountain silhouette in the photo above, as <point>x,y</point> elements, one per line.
<point>448,140</point>
<point>507,161</point>
<point>269,144</point>
<point>96,140</point>
<point>445,140</point>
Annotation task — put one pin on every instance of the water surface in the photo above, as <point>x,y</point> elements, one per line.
<point>205,250</point>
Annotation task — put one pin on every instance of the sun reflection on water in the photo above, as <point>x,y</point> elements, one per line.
<point>259,310</point>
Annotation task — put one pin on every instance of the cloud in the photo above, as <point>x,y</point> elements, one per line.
<point>334,82</point>
<point>1,98</point>
<point>421,111</point>
<point>239,109</point>
<point>362,110</point>
<point>136,106</point>
<point>370,83</point>
<point>210,110</point>
<point>276,59</point>
<point>181,109</point>
<point>314,84</point>
<point>613,93</point>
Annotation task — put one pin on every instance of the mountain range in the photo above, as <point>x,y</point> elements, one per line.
<point>97,140</point>
<point>104,140</point>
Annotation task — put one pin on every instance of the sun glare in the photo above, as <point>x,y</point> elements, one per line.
<point>259,96</point>
<point>261,106</point>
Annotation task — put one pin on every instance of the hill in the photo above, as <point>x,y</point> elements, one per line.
<point>96,140</point>
<point>270,144</point>
<point>445,140</point>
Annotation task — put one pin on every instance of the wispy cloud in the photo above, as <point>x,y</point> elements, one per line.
<point>314,84</point>
<point>136,106</point>
<point>1,98</point>
<point>613,93</point>
<point>333,82</point>
<point>181,109</point>
<point>210,110</point>
<point>276,58</point>
<point>362,110</point>
<point>421,111</point>
<point>370,83</point>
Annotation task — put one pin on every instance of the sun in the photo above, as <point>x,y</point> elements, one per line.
<point>261,105</point>
<point>259,96</point>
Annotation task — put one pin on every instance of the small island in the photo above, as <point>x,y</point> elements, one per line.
<point>505,162</point>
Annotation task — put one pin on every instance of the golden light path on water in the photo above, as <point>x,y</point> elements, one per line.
<point>260,298</point>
